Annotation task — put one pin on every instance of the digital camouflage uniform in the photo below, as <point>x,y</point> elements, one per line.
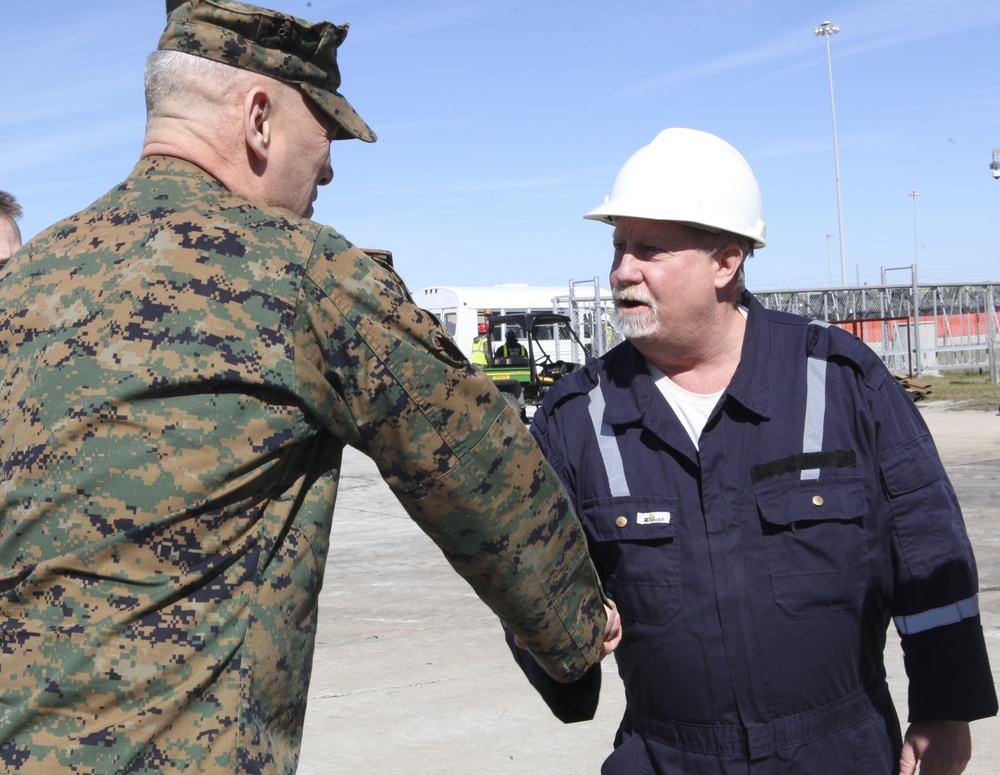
<point>181,370</point>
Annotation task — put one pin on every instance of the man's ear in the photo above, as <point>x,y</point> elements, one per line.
<point>727,260</point>
<point>257,110</point>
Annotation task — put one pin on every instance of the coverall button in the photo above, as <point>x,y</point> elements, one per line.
<point>817,500</point>
<point>621,521</point>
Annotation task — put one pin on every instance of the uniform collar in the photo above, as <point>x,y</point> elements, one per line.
<point>172,166</point>
<point>751,384</point>
<point>630,393</point>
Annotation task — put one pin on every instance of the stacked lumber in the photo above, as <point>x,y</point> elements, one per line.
<point>912,385</point>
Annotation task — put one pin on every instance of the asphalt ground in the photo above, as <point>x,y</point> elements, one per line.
<point>411,674</point>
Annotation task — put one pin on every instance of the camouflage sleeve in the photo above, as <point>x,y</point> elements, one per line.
<point>385,377</point>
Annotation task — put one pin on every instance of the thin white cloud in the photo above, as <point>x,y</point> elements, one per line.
<point>857,140</point>
<point>876,26</point>
<point>869,27</point>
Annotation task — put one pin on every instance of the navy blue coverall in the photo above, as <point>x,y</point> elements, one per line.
<point>756,575</point>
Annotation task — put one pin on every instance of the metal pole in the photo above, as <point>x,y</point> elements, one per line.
<point>916,321</point>
<point>916,290</point>
<point>991,337</point>
<point>598,331</point>
<point>882,314</point>
<point>826,29</point>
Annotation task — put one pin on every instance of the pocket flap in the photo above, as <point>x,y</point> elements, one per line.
<point>911,466</point>
<point>811,501</point>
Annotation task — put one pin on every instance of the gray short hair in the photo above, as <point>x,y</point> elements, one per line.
<point>713,241</point>
<point>173,73</point>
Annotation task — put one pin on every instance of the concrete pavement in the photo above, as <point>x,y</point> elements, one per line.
<point>411,674</point>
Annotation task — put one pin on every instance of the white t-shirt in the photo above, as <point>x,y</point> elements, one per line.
<point>693,409</point>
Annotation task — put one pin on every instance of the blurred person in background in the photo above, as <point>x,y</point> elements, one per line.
<point>10,234</point>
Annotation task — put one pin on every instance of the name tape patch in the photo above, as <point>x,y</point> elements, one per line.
<point>653,518</point>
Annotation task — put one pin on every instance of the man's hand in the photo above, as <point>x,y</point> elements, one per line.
<point>940,747</point>
<point>612,631</point>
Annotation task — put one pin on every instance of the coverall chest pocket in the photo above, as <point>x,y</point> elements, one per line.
<point>816,545</point>
<point>634,542</point>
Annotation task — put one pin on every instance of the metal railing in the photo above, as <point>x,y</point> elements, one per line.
<point>914,329</point>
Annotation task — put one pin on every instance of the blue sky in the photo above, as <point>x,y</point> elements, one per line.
<point>500,123</point>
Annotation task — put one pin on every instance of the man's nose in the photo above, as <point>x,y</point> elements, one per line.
<point>625,269</point>
<point>327,174</point>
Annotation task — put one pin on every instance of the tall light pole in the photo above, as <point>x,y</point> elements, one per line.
<point>826,29</point>
<point>913,195</point>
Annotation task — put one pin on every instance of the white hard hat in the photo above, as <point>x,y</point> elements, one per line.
<point>691,177</point>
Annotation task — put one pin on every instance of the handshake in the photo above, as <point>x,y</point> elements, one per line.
<point>612,631</point>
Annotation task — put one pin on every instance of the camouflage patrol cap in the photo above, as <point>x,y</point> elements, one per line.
<point>272,44</point>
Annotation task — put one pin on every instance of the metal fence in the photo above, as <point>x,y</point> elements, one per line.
<point>591,314</point>
<point>915,330</point>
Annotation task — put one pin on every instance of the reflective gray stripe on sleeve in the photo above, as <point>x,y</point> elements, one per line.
<point>812,433</point>
<point>607,443</point>
<point>938,617</point>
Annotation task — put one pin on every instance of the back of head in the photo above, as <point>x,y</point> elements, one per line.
<point>9,206</point>
<point>177,84</point>
<point>690,177</point>
<point>268,43</point>
<point>10,234</point>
